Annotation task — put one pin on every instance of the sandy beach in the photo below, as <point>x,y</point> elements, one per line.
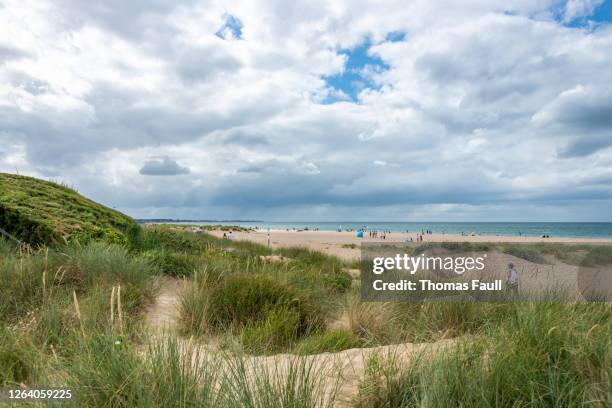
<point>345,244</point>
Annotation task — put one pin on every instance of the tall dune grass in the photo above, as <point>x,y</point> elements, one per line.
<point>546,354</point>
<point>59,325</point>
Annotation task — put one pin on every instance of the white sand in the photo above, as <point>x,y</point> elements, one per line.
<point>334,243</point>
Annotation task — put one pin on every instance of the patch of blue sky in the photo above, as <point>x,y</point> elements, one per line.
<point>395,36</point>
<point>601,15</point>
<point>359,69</point>
<point>231,29</point>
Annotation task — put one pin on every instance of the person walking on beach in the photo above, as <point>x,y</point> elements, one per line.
<point>512,279</point>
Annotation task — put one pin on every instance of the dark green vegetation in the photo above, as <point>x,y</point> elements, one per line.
<point>42,212</point>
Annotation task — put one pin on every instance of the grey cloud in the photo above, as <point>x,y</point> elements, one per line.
<point>163,166</point>
<point>198,64</point>
<point>122,119</point>
<point>582,113</point>
<point>9,53</point>
<point>585,145</point>
<point>244,137</point>
<point>134,19</point>
<point>581,108</point>
<point>252,168</point>
<point>28,83</point>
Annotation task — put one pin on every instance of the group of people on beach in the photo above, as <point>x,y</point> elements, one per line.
<point>375,234</point>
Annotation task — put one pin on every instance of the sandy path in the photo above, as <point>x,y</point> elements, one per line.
<point>342,371</point>
<point>163,313</point>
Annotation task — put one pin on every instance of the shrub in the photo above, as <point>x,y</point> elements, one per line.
<point>114,237</point>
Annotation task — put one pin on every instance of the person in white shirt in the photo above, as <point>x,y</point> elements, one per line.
<point>512,278</point>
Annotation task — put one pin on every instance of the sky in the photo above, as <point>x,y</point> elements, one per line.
<point>479,110</point>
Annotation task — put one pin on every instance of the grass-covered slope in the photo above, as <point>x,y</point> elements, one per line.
<point>42,212</point>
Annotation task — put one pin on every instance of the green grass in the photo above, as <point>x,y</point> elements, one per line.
<point>547,354</point>
<point>277,331</point>
<point>172,263</point>
<point>42,212</point>
<point>329,341</point>
<point>271,314</point>
<point>298,383</point>
<point>525,252</point>
<point>268,307</point>
<point>17,357</point>
<point>504,354</point>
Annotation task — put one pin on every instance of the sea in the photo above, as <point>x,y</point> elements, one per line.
<point>533,229</point>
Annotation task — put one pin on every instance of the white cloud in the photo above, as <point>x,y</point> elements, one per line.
<point>485,104</point>
<point>580,8</point>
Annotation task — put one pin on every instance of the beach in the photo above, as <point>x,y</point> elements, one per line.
<point>345,245</point>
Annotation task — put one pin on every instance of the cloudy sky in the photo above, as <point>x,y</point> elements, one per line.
<point>314,110</point>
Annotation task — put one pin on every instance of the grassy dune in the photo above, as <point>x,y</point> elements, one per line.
<point>42,212</point>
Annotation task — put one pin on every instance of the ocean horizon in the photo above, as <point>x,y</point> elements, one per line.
<point>528,229</point>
